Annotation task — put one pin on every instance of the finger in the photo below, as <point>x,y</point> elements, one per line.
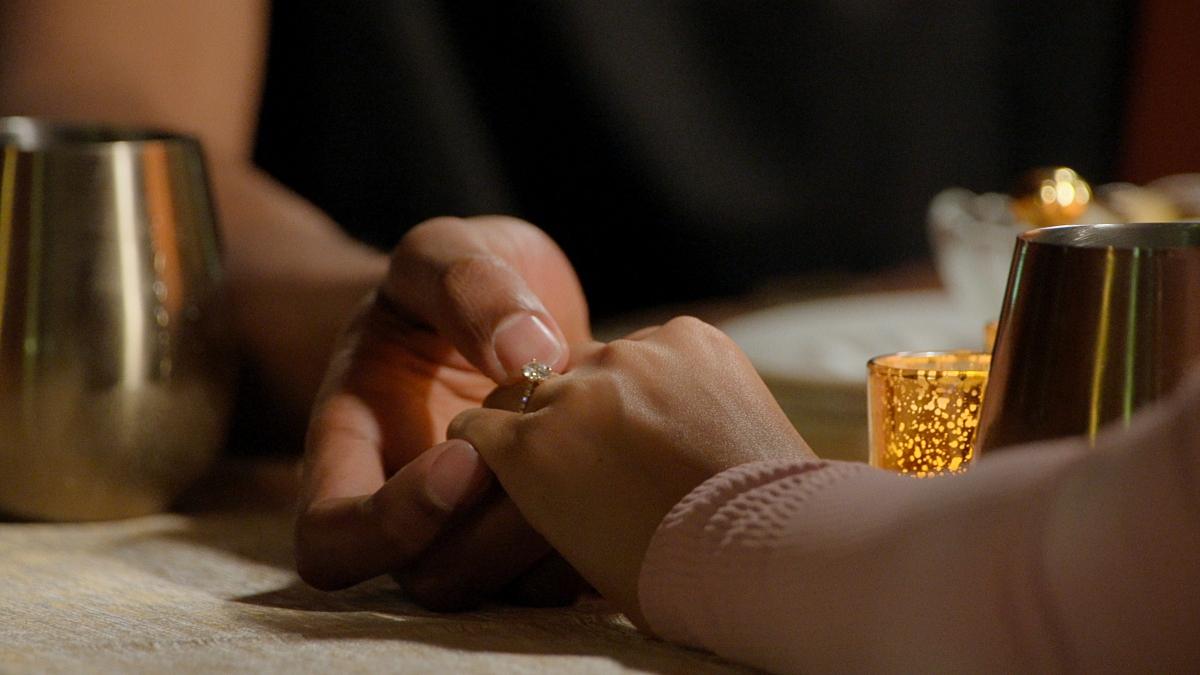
<point>342,457</point>
<point>475,560</point>
<point>470,281</point>
<point>343,540</point>
<point>507,397</point>
<point>487,428</point>
<point>518,396</point>
<point>502,438</point>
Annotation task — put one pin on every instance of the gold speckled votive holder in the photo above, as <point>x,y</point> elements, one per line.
<point>923,410</point>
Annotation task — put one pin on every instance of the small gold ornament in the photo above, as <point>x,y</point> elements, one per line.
<point>1051,196</point>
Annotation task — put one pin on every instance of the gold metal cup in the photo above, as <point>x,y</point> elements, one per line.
<point>115,351</point>
<point>1098,320</point>
<point>923,410</point>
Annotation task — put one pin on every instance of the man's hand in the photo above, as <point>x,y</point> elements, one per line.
<point>465,304</point>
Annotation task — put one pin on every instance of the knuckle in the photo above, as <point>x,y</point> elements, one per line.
<point>617,353</point>
<point>421,237</point>
<point>433,228</point>
<point>468,275</point>
<point>692,328</point>
<point>626,355</point>
<point>460,426</point>
<point>689,324</point>
<point>604,355</point>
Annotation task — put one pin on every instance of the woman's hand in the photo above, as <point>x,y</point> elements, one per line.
<point>465,303</point>
<point>603,452</point>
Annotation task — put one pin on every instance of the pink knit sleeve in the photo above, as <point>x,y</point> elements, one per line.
<point>1049,557</point>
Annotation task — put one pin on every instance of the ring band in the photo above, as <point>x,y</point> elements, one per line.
<point>533,373</point>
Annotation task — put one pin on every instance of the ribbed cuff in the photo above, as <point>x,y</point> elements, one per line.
<point>714,539</point>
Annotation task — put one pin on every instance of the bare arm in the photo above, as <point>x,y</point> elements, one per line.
<point>474,299</point>
<point>196,66</point>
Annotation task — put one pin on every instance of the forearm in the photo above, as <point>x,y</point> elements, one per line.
<point>196,66</point>
<point>857,577</point>
<point>1049,558</point>
<point>294,281</point>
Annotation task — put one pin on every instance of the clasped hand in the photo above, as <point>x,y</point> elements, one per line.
<point>464,303</point>
<point>601,454</point>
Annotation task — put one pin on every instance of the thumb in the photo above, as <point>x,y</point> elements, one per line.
<point>464,279</point>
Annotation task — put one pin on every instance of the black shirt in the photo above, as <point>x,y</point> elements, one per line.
<point>682,149</point>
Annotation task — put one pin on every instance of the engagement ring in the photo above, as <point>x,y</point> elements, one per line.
<point>533,373</point>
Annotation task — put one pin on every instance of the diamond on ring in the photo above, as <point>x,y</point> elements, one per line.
<point>534,374</point>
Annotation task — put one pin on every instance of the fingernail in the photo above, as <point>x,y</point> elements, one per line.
<point>456,476</point>
<point>521,338</point>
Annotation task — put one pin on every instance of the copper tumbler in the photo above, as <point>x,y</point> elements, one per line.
<point>115,350</point>
<point>1098,320</point>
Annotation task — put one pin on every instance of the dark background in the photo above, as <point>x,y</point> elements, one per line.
<point>679,150</point>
